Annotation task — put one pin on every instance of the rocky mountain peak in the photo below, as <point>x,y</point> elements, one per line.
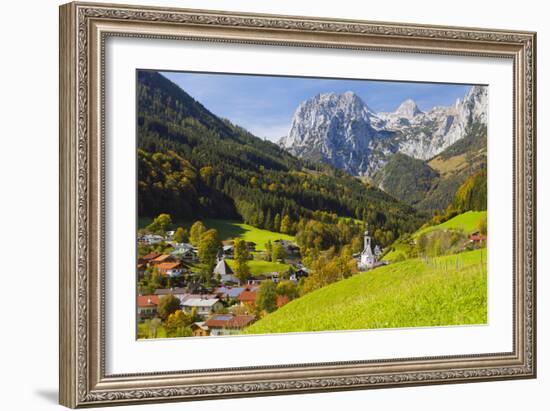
<point>330,127</point>
<point>408,109</point>
<point>335,102</point>
<point>339,129</point>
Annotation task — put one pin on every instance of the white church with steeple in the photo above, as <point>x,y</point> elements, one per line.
<point>368,258</point>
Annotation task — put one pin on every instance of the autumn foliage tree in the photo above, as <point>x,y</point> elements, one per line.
<point>168,304</point>
<point>288,289</point>
<point>209,246</point>
<point>241,256</point>
<point>268,250</point>
<point>278,252</point>
<point>329,268</point>
<point>177,324</point>
<point>286,225</point>
<point>180,235</point>
<point>159,224</point>
<point>197,229</point>
<point>482,225</point>
<point>266,297</point>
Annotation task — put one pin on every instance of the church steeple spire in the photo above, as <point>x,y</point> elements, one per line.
<point>368,259</point>
<point>367,245</point>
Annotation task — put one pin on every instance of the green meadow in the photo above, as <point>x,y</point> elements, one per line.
<point>411,293</point>
<point>258,267</point>
<point>467,222</point>
<point>229,229</point>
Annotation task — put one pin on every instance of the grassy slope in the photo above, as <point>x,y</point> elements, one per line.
<point>406,294</point>
<point>262,267</point>
<point>467,222</point>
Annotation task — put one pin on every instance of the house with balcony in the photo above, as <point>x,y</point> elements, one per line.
<point>172,269</point>
<point>147,306</point>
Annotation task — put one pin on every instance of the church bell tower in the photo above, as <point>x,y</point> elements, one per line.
<point>367,240</point>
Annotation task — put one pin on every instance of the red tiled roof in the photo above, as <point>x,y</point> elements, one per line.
<point>169,265</point>
<point>147,300</point>
<point>247,296</point>
<point>478,237</point>
<point>229,321</point>
<point>161,258</point>
<point>150,256</point>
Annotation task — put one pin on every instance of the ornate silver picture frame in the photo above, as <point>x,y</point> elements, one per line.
<point>84,30</point>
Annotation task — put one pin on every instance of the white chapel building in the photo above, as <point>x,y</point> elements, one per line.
<point>367,259</point>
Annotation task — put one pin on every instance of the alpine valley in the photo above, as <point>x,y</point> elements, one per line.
<point>418,157</point>
<point>356,220</point>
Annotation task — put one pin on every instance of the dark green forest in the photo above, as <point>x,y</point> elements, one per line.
<point>192,164</point>
<point>406,178</point>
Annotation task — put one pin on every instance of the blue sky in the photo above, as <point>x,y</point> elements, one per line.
<point>264,105</point>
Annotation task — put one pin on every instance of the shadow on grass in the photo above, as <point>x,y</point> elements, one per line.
<point>226,228</point>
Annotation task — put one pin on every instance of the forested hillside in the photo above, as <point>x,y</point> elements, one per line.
<point>407,179</point>
<point>431,185</point>
<point>192,164</point>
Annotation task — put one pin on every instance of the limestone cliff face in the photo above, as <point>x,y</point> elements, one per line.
<point>341,130</point>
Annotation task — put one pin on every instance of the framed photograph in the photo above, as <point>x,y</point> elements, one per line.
<point>260,205</point>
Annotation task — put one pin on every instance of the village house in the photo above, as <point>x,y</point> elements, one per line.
<point>289,247</point>
<point>150,239</point>
<point>299,271</point>
<point>225,272</point>
<point>163,258</point>
<point>147,306</point>
<point>227,324</point>
<point>200,329</point>
<point>273,276</point>
<point>195,287</point>
<point>204,305</point>
<point>477,238</point>
<point>228,293</point>
<point>256,280</point>
<point>248,297</point>
<point>179,292</point>
<point>228,250</point>
<point>147,258</point>
<point>172,269</point>
<point>185,252</point>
